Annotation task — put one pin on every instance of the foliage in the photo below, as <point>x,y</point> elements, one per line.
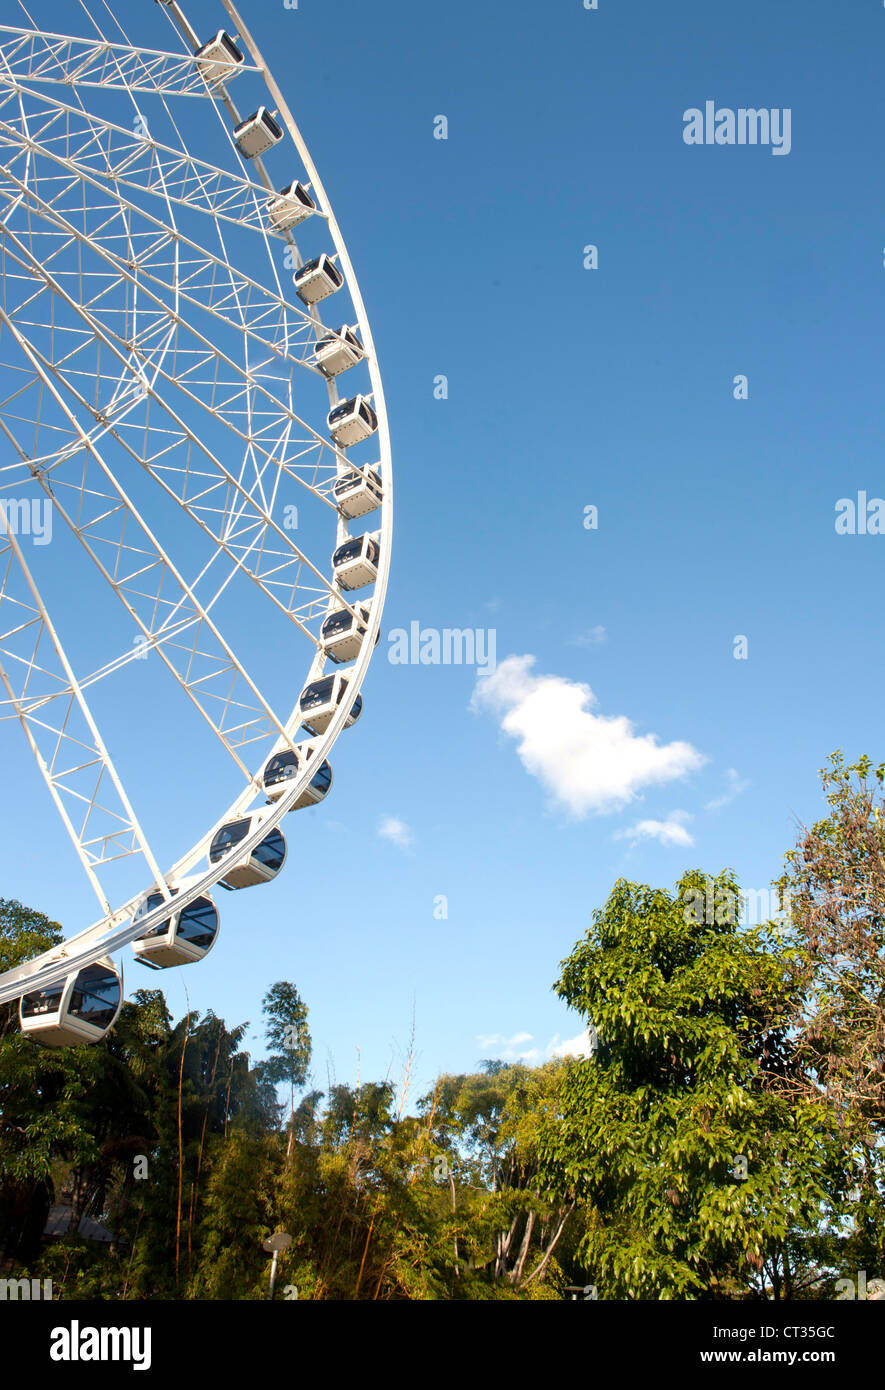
<point>723,1141</point>
<point>684,1096</point>
<point>834,882</point>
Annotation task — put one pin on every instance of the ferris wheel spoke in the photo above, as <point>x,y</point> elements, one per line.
<point>56,58</point>
<point>230,398</point>
<point>207,272</point>
<point>121,155</point>
<point>70,752</point>
<point>196,667</point>
<point>292,554</point>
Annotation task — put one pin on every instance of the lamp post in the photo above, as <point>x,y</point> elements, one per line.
<point>281,1240</point>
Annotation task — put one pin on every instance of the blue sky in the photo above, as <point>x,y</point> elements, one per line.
<point>568,388</point>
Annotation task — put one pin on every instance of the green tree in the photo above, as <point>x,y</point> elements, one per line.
<point>289,1043</point>
<point>695,1167</point>
<point>834,884</point>
<point>488,1124</point>
<point>39,1097</point>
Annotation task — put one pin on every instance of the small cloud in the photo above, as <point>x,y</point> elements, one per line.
<point>498,1039</point>
<point>509,1049</point>
<point>572,1047</point>
<point>735,784</point>
<point>589,761</point>
<point>396,831</point>
<point>668,832</point>
<point>594,638</point>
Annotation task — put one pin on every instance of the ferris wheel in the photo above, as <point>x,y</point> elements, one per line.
<point>210,456</point>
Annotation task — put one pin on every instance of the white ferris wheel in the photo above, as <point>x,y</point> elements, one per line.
<point>213,458</point>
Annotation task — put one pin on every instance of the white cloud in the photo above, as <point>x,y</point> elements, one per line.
<point>590,762</point>
<point>509,1049</point>
<point>735,785</point>
<point>496,1039</point>
<point>594,638</point>
<point>671,831</point>
<point>572,1047</point>
<point>395,830</point>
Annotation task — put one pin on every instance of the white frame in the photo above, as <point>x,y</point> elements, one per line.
<point>100,63</point>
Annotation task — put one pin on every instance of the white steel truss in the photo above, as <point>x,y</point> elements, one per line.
<point>58,724</point>
<point>141,289</point>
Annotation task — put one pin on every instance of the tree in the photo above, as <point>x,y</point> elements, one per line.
<point>693,1166</point>
<point>835,882</point>
<point>487,1123</point>
<point>38,1100</point>
<point>24,933</point>
<point>289,1042</point>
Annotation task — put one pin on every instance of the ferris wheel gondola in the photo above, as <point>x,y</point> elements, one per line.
<point>214,59</point>
<point>355,563</point>
<point>338,352</point>
<point>320,701</point>
<point>358,492</point>
<point>343,631</point>
<point>183,938</point>
<point>290,207</point>
<point>285,765</point>
<point>317,279</point>
<point>351,422</point>
<point>80,1008</point>
<point>257,865</point>
<point>257,134</point>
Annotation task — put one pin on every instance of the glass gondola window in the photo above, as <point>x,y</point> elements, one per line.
<point>322,780</point>
<point>340,622</point>
<point>151,901</point>
<point>342,341</point>
<point>328,267</point>
<point>317,693</point>
<point>43,1001</point>
<point>226,838</point>
<point>353,550</point>
<point>198,923</point>
<point>272,851</point>
<point>281,768</point>
<point>359,492</point>
<point>299,194</point>
<point>354,479</point>
<point>95,996</point>
<point>357,405</point>
<point>347,482</point>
